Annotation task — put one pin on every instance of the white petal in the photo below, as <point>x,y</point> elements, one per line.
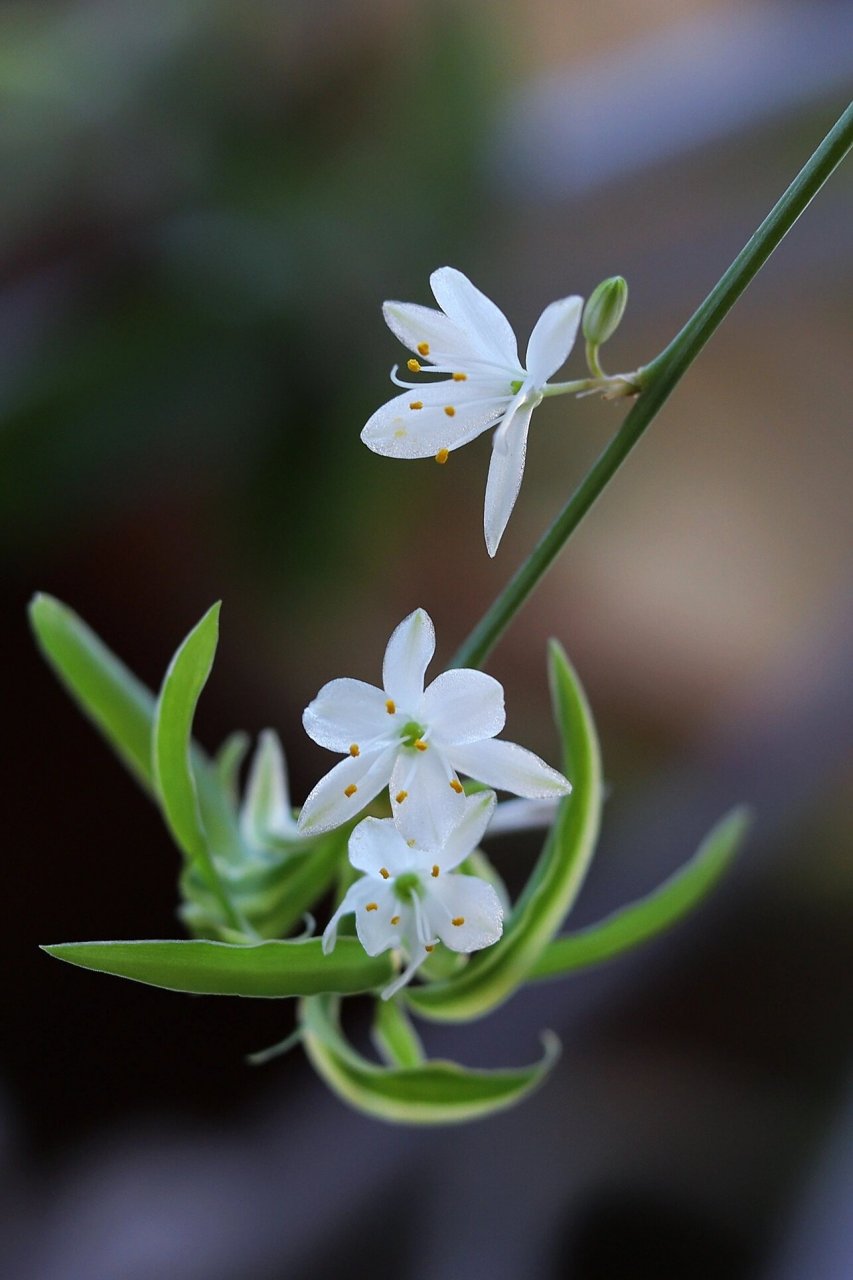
<point>470,901</point>
<point>522,815</point>
<point>509,450</point>
<point>431,807</point>
<point>476,315</point>
<point>407,656</point>
<point>468,833</point>
<point>406,976</point>
<point>266,808</point>
<point>508,767</point>
<point>346,712</point>
<point>376,846</point>
<point>464,706</point>
<point>414,325</point>
<point>397,431</point>
<point>328,805</point>
<point>552,338</point>
<point>352,900</point>
<point>373,920</point>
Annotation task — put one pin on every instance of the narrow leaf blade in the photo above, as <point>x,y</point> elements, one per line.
<point>118,704</point>
<point>435,1092</point>
<point>493,975</point>
<point>659,911</point>
<point>266,969</point>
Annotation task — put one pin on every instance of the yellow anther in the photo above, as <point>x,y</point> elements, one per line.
<point>350,790</point>
<point>442,456</point>
<point>411,843</point>
<point>450,411</point>
<point>372,906</point>
<point>429,947</point>
<point>460,377</point>
<point>384,872</point>
<point>435,869</point>
<point>400,796</point>
<point>395,919</point>
<point>423,348</point>
<point>457,920</point>
<point>457,786</point>
<point>414,366</point>
<point>354,749</point>
<point>416,404</point>
<point>391,707</point>
<point>420,745</point>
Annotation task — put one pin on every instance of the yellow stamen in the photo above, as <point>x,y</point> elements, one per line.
<point>400,796</point>
<point>442,456</point>
<point>429,947</point>
<point>384,872</point>
<point>423,348</point>
<point>354,749</point>
<point>457,786</point>
<point>350,790</point>
<point>395,919</point>
<point>372,906</point>
<point>414,366</point>
<point>450,411</point>
<point>391,706</point>
<point>460,377</point>
<point>457,920</point>
<point>416,404</point>
<point>411,843</point>
<point>420,745</point>
<point>435,869</point>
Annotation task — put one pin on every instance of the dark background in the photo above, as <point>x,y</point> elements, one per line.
<point>203,207</point>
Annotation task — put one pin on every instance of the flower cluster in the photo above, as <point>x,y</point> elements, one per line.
<point>415,742</point>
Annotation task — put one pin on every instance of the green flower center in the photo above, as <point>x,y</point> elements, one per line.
<point>412,733</point>
<point>407,885</point>
<point>516,386</point>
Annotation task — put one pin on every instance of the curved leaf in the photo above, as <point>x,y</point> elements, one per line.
<point>664,907</point>
<point>262,969</point>
<point>431,1093</point>
<point>395,1039</point>
<point>108,693</point>
<point>491,976</point>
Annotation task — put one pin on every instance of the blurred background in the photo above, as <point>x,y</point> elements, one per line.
<point>203,207</point>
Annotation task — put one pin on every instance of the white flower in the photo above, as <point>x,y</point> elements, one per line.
<point>415,740</point>
<point>409,897</point>
<point>471,340</point>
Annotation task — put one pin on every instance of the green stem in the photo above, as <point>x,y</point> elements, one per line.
<point>657,380</point>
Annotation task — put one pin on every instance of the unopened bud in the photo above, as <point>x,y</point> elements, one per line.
<point>604,310</point>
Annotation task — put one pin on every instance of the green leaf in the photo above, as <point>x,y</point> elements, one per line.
<point>179,694</point>
<point>263,969</point>
<point>435,1092</point>
<point>661,909</point>
<point>118,704</point>
<point>493,975</point>
<point>396,1040</point>
<point>229,759</point>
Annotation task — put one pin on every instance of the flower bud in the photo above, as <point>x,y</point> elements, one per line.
<point>604,310</point>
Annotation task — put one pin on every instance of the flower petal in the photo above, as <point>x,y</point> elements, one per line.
<point>470,901</point>
<point>464,706</point>
<point>414,325</point>
<point>328,805</point>
<point>522,815</point>
<point>376,846</point>
<point>373,919</point>
<point>346,712</point>
<point>480,320</point>
<point>431,806</point>
<point>407,656</point>
<point>509,450</point>
<point>552,338</point>
<point>468,833</point>
<point>396,430</point>
<point>355,895</point>
<point>508,767</point>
